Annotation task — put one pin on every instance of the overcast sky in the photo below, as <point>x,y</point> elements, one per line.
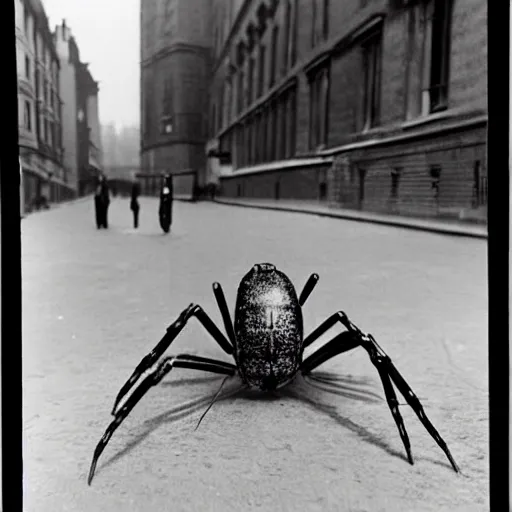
<point>107,34</point>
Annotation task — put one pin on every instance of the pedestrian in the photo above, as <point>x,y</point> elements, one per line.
<point>101,202</point>
<point>166,198</point>
<point>134,203</point>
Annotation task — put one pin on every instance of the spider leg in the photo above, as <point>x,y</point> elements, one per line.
<point>388,373</point>
<point>164,367</point>
<point>172,331</point>
<point>308,288</point>
<point>226,317</point>
<point>323,328</point>
<point>344,342</point>
<point>412,400</point>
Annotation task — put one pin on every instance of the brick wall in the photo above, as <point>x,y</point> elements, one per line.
<point>303,183</point>
<point>456,154</point>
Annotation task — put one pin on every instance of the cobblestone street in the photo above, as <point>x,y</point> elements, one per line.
<point>96,301</point>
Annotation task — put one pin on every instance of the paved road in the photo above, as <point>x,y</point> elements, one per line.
<point>95,302</point>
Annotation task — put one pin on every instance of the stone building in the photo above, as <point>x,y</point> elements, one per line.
<point>175,67</point>
<point>378,105</point>
<point>39,107</point>
<point>80,117</point>
<point>88,130</point>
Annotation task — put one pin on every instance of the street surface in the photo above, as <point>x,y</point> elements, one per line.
<point>95,302</point>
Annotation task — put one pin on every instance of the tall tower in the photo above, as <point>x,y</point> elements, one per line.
<point>175,68</point>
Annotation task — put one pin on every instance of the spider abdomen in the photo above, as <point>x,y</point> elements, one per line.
<point>268,328</point>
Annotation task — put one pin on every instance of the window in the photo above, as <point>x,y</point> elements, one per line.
<point>273,62</point>
<point>261,71</point>
<point>272,130</point>
<point>45,91</point>
<point>45,125</point>
<point>395,179</point>
<point>220,114</point>
<point>318,108</point>
<point>28,116</point>
<point>250,82</point>
<point>313,23</point>
<point>371,70</point>
<point>479,186</point>
<point>435,177</point>
<point>264,135</point>
<point>292,120</point>
<point>325,24</point>
<point>259,133</point>
<point>362,180</point>
<point>166,120</point>
<point>282,116</point>
<point>213,121</point>
<point>147,111</point>
<point>38,84</point>
<point>293,43</point>
<point>27,66</point>
<point>239,145</point>
<point>287,34</point>
<point>428,58</point>
<point>440,58</point>
<point>240,91</point>
<point>228,99</point>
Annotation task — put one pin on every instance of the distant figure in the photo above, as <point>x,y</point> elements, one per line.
<point>101,202</point>
<point>165,208</point>
<point>134,203</point>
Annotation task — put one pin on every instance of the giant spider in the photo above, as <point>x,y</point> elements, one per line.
<point>267,344</point>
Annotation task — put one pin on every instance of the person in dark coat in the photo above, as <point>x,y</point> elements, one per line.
<point>101,202</point>
<point>166,199</point>
<point>134,203</point>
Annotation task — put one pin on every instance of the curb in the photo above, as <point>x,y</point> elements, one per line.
<point>393,222</point>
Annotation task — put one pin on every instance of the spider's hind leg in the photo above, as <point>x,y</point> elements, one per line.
<point>354,337</point>
<point>392,374</point>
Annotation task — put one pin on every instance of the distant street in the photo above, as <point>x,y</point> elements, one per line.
<point>95,302</point>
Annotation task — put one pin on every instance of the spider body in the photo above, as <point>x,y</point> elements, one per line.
<point>267,344</point>
<point>268,328</point>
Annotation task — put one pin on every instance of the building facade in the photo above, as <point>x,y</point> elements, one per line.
<point>40,108</point>
<point>378,105</point>
<point>88,130</point>
<point>175,67</point>
<point>81,126</point>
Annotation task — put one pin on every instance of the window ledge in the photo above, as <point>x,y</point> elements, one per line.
<point>437,116</point>
<point>278,165</point>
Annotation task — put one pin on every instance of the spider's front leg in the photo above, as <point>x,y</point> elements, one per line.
<point>164,367</point>
<point>172,331</point>
<point>353,337</point>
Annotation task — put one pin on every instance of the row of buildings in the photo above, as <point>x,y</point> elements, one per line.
<point>371,104</point>
<point>58,123</point>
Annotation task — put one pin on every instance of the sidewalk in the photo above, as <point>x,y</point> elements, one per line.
<point>446,227</point>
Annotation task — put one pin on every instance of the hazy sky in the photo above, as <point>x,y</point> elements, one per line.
<point>107,34</point>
